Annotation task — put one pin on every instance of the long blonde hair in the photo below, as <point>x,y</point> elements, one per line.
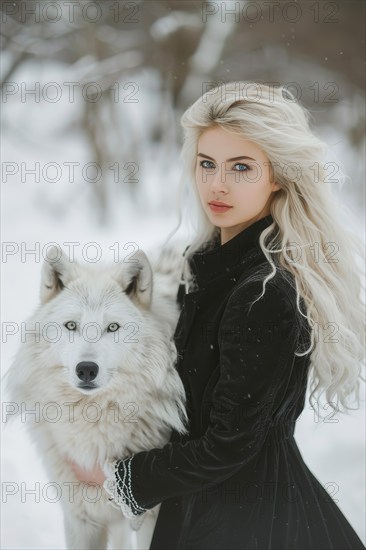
<point>310,241</point>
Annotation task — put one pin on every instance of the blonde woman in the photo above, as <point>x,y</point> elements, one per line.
<point>269,269</point>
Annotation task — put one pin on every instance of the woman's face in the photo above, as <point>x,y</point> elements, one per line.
<point>235,171</point>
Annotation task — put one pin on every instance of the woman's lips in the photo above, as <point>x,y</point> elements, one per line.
<point>219,209</point>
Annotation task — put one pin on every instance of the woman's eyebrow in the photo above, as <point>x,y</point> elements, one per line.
<point>228,160</point>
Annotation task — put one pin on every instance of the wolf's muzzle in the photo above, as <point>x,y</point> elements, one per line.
<point>87,371</point>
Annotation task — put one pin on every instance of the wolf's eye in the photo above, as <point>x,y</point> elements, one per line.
<point>113,327</point>
<point>70,325</point>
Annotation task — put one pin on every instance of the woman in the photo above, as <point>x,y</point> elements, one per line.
<point>265,274</point>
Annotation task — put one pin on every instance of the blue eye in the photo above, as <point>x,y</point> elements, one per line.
<point>202,163</point>
<point>245,169</point>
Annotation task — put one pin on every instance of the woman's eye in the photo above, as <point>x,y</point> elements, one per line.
<point>113,327</point>
<point>204,164</point>
<point>242,167</point>
<point>70,325</point>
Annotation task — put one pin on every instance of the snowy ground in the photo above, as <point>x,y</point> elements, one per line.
<point>335,452</point>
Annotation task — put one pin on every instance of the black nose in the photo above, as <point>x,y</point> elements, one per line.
<point>87,370</point>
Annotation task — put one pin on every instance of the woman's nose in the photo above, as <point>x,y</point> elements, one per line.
<point>219,179</point>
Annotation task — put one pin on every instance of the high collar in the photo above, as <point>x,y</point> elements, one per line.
<point>216,259</point>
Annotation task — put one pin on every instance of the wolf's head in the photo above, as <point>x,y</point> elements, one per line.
<point>96,327</point>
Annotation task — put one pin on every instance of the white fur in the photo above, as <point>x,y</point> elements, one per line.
<point>140,396</point>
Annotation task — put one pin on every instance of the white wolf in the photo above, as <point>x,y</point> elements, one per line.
<point>100,371</point>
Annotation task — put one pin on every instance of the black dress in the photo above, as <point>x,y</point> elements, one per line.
<point>238,480</point>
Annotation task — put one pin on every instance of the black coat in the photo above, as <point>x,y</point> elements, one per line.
<point>238,480</point>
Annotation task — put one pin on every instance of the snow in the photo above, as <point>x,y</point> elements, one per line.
<point>46,212</point>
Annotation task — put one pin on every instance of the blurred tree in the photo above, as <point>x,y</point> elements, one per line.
<point>319,47</point>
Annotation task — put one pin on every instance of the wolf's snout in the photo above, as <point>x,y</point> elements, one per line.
<point>87,370</point>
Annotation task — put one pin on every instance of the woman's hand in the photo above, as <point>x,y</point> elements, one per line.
<point>88,476</point>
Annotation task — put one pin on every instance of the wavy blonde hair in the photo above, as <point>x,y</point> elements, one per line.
<point>309,240</point>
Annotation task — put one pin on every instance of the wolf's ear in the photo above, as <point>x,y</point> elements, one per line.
<point>57,271</point>
<point>136,278</point>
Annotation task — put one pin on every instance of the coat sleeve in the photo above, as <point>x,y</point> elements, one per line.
<point>256,354</point>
